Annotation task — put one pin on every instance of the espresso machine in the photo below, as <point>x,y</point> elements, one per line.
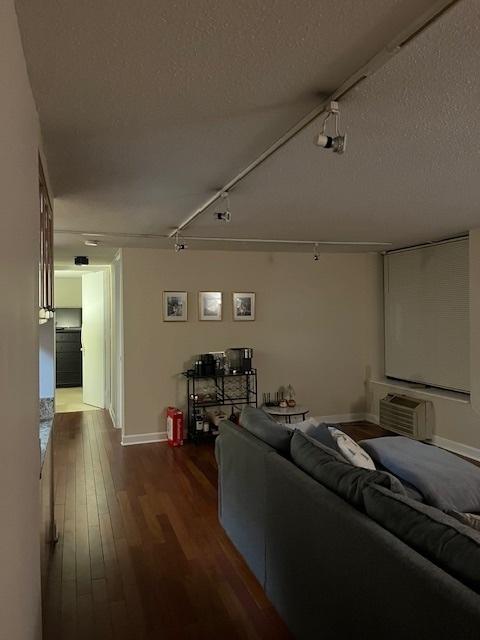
<point>239,359</point>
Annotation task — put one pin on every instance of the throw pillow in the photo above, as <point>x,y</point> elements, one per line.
<point>337,474</point>
<point>261,425</point>
<point>317,431</point>
<point>304,425</point>
<point>352,451</point>
<point>440,538</point>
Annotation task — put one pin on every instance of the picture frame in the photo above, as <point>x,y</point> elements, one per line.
<point>210,305</point>
<point>175,306</point>
<point>243,306</point>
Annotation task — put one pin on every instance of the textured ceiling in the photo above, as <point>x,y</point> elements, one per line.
<point>147,107</point>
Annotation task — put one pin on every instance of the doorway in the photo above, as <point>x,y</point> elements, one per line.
<point>82,339</point>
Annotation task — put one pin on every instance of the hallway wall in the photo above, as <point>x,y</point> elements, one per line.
<point>20,610</point>
<point>68,292</point>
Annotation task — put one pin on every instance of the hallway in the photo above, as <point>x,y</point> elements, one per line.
<point>70,399</point>
<point>141,554</point>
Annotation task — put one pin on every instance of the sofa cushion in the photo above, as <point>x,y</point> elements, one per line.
<point>261,425</point>
<point>320,433</point>
<point>451,545</point>
<point>334,472</point>
<point>445,480</point>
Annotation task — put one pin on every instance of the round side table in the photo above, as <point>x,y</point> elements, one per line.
<point>287,412</point>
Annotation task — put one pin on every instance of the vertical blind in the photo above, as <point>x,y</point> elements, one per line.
<point>427,310</point>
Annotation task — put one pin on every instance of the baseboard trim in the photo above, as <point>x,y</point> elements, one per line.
<point>112,417</point>
<point>144,438</point>
<point>457,447</point>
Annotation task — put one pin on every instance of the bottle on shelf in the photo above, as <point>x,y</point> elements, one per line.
<point>206,424</point>
<point>198,422</point>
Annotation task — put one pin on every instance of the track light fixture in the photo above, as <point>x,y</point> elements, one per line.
<point>336,142</point>
<point>316,257</point>
<point>179,245</point>
<point>225,215</point>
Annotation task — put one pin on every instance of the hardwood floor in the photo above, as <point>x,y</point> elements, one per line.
<point>141,553</point>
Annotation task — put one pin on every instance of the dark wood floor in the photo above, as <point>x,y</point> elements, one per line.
<point>141,554</point>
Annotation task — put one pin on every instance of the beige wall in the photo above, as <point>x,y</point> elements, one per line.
<point>19,242</point>
<point>68,292</point>
<point>316,326</point>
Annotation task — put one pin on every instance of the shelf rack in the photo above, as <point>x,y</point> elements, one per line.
<point>217,390</point>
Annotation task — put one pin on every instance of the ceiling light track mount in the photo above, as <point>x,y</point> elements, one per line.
<point>336,142</point>
<point>179,244</point>
<point>225,214</point>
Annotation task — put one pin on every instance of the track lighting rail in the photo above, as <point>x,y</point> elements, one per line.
<point>153,236</point>
<point>373,65</point>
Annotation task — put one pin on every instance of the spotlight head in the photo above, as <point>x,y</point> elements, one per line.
<point>336,143</point>
<point>222,216</point>
<point>316,258</point>
<point>180,246</point>
<point>340,144</point>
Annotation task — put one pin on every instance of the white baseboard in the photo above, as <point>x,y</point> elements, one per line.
<point>112,416</point>
<point>144,438</point>
<point>457,447</point>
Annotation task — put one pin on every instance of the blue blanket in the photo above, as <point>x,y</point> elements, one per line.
<point>444,480</point>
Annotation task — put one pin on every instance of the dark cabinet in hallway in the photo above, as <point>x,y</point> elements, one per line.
<point>69,357</point>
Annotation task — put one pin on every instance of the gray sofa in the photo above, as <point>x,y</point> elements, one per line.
<point>329,570</point>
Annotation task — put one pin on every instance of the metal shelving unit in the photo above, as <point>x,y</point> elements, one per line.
<point>217,390</point>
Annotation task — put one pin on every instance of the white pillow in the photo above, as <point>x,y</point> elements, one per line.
<point>352,451</point>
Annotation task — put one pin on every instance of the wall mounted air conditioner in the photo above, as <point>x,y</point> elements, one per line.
<point>407,416</point>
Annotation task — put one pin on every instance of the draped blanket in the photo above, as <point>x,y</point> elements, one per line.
<point>444,480</point>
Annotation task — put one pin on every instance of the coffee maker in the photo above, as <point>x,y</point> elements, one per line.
<point>239,359</point>
<point>205,365</point>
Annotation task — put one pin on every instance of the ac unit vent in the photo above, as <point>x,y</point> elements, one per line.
<point>407,416</point>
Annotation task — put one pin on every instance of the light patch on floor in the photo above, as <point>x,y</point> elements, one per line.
<point>71,399</point>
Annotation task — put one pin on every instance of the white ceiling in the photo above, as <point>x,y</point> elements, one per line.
<point>147,107</point>
<point>98,256</point>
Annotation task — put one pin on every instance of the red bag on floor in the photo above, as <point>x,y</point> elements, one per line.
<point>174,427</point>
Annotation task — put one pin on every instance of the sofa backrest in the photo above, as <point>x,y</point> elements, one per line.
<point>333,572</point>
<point>266,429</point>
<point>241,501</point>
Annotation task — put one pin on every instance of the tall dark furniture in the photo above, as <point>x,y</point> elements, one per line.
<point>69,357</point>
<point>217,390</point>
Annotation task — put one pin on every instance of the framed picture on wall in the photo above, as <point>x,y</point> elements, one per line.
<point>175,306</point>
<point>244,306</point>
<point>210,305</point>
